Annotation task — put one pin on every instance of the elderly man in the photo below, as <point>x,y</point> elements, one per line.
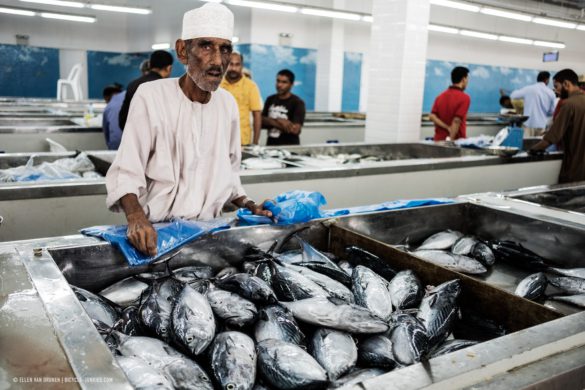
<point>568,128</point>
<point>246,93</point>
<point>180,153</point>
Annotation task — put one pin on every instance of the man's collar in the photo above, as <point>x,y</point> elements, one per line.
<point>575,93</point>
<point>456,87</point>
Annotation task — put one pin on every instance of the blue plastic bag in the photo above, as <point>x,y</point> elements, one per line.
<point>386,206</point>
<point>170,236</point>
<point>288,208</point>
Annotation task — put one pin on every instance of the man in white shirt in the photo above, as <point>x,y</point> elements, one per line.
<point>180,152</point>
<point>539,104</point>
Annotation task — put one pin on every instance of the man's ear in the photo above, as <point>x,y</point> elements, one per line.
<point>181,49</point>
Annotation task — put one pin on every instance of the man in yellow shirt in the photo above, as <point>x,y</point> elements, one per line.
<point>248,97</point>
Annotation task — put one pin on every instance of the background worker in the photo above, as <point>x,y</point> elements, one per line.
<point>449,113</point>
<point>247,95</point>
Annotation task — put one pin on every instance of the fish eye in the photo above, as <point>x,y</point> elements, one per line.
<point>190,338</point>
<point>204,378</point>
<point>230,386</point>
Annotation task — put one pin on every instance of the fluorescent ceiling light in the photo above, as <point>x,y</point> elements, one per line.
<point>521,41</point>
<point>477,34</point>
<point>506,14</point>
<point>368,18</point>
<point>14,11</point>
<point>60,3</point>
<point>115,8</point>
<point>448,30</point>
<point>581,27</point>
<point>263,5</point>
<point>456,5</point>
<point>161,46</point>
<point>330,14</point>
<point>554,22</point>
<point>555,45</point>
<point>71,18</point>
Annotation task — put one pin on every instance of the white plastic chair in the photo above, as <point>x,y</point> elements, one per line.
<point>73,81</point>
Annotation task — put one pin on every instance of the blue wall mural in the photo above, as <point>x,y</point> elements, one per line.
<point>28,71</point>
<point>266,60</point>
<point>352,74</point>
<point>105,68</point>
<point>484,83</point>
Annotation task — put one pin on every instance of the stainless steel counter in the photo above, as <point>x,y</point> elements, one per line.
<point>549,354</point>
<point>424,170</point>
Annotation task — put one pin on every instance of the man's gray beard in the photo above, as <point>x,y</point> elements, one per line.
<point>199,85</point>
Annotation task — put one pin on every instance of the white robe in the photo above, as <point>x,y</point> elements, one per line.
<point>181,158</point>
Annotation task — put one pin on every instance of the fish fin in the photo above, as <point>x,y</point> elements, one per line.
<point>287,238</point>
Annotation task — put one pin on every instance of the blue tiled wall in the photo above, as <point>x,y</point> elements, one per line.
<point>28,71</point>
<point>105,68</point>
<point>484,83</point>
<point>352,73</point>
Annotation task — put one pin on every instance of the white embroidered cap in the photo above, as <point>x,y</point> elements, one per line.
<point>212,20</point>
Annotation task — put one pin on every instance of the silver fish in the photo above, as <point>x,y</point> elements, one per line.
<point>334,288</point>
<point>192,273</point>
<point>577,300</point>
<point>141,375</point>
<point>287,366</point>
<point>249,287</point>
<point>126,292</point>
<point>439,309</point>
<point>458,263</point>
<point>483,253</point>
<point>355,377</point>
<point>451,346</point>
<point>441,241</point>
<point>232,308</point>
<point>233,361</point>
<point>155,311</point>
<point>182,372</point>
<point>376,351</point>
<point>277,322</point>
<point>573,272</point>
<point>464,245</point>
<point>371,291</point>
<point>96,307</point>
<point>289,285</point>
<point>334,350</point>
<point>409,339</point>
<point>406,290</point>
<point>532,287</point>
<point>568,284</point>
<point>335,314</point>
<point>192,321</point>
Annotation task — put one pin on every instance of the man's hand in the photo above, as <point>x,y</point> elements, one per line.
<point>286,125</point>
<point>141,234</point>
<point>259,209</point>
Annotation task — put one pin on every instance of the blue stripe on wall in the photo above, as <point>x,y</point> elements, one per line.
<point>352,74</point>
<point>106,68</point>
<point>484,83</point>
<point>27,71</point>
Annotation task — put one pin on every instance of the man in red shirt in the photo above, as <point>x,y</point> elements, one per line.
<point>450,108</point>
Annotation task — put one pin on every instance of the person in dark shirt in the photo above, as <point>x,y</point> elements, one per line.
<point>161,65</point>
<point>568,128</point>
<point>284,113</point>
<point>449,112</point>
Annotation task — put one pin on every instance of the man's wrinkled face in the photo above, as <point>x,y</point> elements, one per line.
<point>207,61</point>
<point>283,84</point>
<point>235,67</point>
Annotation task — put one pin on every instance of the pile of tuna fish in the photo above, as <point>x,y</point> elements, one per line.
<point>296,320</point>
<point>457,252</point>
<point>471,255</point>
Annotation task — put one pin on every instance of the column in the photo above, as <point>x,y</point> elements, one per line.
<point>397,60</point>
<point>329,82</point>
